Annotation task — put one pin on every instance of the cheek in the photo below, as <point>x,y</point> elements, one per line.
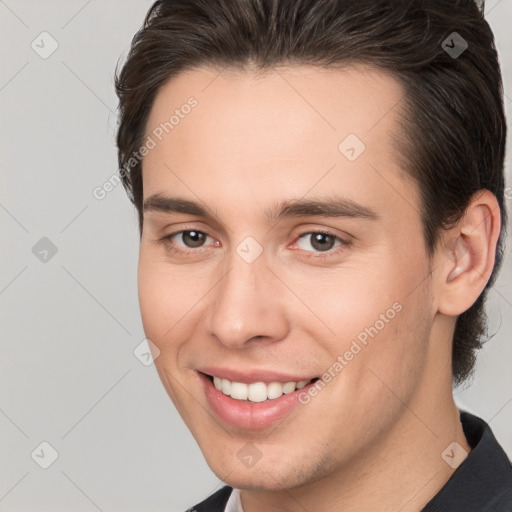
<point>166,304</point>
<point>370,308</point>
<point>346,302</point>
<point>171,300</point>
<point>390,339</point>
<point>162,299</point>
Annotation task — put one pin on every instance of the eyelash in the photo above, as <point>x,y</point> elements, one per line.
<point>325,254</point>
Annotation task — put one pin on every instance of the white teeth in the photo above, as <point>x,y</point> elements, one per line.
<point>239,390</point>
<point>289,387</point>
<point>225,386</point>
<point>274,390</point>
<point>256,391</point>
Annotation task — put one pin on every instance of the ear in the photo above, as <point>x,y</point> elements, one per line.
<point>466,256</point>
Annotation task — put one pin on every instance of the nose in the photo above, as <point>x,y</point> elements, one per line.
<point>248,306</point>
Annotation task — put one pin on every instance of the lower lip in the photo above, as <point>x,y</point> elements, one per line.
<point>250,415</point>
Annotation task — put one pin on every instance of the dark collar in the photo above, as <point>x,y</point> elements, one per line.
<point>215,503</point>
<point>482,483</point>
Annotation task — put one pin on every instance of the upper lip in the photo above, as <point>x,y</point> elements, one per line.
<point>252,375</point>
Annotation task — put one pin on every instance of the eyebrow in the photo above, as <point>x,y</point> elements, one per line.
<point>332,206</point>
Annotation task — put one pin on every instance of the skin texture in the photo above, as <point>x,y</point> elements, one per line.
<point>373,437</point>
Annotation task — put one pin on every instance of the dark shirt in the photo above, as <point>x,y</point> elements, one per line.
<point>482,483</point>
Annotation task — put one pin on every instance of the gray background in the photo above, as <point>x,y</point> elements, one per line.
<point>69,325</point>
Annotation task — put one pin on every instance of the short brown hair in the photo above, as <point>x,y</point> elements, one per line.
<point>454,127</point>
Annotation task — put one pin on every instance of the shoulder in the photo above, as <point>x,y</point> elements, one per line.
<point>214,503</point>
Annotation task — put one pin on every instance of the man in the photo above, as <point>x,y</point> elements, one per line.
<point>320,194</point>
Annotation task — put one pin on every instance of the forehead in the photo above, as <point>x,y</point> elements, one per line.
<point>309,101</point>
<point>283,132</point>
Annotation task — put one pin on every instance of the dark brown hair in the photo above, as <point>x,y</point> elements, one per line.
<point>453,126</point>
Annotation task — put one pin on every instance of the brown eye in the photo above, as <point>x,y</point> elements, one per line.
<point>188,242</point>
<point>320,242</point>
<point>192,238</point>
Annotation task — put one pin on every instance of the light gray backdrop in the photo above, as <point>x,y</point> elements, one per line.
<point>70,321</point>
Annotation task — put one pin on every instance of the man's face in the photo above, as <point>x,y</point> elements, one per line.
<point>246,294</point>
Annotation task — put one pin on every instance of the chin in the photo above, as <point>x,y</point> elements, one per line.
<point>274,473</point>
<point>261,481</point>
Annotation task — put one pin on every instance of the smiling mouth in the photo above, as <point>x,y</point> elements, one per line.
<point>256,391</point>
